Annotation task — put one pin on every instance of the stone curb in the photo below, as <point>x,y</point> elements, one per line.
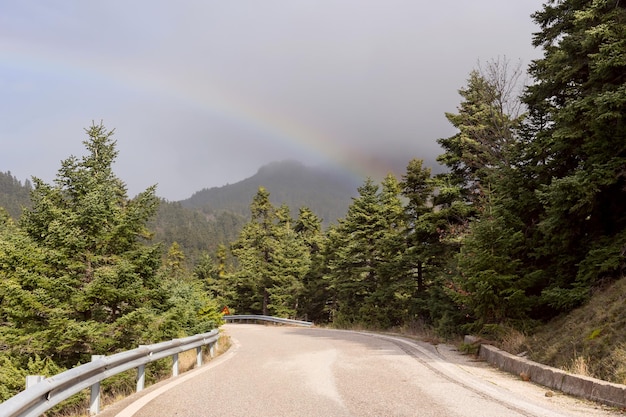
<point>580,386</point>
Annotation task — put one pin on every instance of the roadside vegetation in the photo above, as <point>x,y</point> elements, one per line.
<point>590,340</point>
<point>79,277</point>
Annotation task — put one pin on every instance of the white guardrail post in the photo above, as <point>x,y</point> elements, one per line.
<point>141,377</point>
<point>33,379</point>
<point>94,400</point>
<point>175,364</point>
<point>199,356</point>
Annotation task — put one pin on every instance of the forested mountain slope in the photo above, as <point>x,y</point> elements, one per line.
<point>215,216</point>
<point>328,193</point>
<point>13,194</point>
<point>195,231</point>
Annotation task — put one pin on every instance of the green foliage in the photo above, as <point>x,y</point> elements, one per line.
<point>14,372</point>
<point>365,271</point>
<point>196,231</point>
<point>489,272</point>
<point>312,304</point>
<point>577,106</point>
<point>273,261</point>
<point>77,277</point>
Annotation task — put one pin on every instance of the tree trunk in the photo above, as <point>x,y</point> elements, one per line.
<point>420,276</point>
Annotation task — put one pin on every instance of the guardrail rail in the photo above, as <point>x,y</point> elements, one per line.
<point>270,319</point>
<point>45,393</point>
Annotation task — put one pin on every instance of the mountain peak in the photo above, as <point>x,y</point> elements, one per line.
<point>327,192</point>
<point>286,164</point>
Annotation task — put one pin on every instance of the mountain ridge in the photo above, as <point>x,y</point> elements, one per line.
<point>326,191</point>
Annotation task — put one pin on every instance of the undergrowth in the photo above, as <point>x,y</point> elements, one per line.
<point>590,340</point>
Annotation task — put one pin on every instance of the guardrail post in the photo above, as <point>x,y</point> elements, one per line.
<point>212,349</point>
<point>199,356</point>
<point>175,364</point>
<point>33,379</point>
<point>141,377</point>
<point>94,402</point>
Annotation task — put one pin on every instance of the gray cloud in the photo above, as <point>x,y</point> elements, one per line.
<point>202,93</point>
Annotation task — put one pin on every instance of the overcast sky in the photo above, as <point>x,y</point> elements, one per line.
<point>203,92</point>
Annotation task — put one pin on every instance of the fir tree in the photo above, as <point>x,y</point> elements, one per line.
<point>578,152</point>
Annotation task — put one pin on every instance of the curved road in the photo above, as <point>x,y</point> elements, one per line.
<point>288,371</point>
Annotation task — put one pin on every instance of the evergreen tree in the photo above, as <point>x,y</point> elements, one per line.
<point>364,274</point>
<point>253,252</point>
<point>484,158</point>
<point>353,272</point>
<point>395,288</point>
<point>422,234</point>
<point>315,294</point>
<point>489,269</point>
<point>289,265</point>
<point>272,260</point>
<point>578,151</point>
<point>100,270</point>
<point>487,121</point>
<point>78,277</point>
<point>216,282</point>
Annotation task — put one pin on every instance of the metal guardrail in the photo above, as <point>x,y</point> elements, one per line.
<point>44,395</point>
<point>271,319</point>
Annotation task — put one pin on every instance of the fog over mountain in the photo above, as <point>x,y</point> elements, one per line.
<point>202,93</point>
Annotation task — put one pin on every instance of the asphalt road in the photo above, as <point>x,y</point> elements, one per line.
<point>288,371</point>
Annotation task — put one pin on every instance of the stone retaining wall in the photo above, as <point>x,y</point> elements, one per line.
<point>577,385</point>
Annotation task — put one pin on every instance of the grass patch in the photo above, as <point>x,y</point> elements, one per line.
<point>590,340</point>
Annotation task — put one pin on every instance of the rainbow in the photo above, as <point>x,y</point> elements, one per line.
<point>279,126</point>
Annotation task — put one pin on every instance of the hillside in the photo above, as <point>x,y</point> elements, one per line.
<point>13,194</point>
<point>215,216</point>
<point>195,231</point>
<point>590,340</point>
<point>328,193</point>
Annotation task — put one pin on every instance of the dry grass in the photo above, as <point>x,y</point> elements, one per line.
<point>619,357</point>
<point>578,366</point>
<point>512,341</point>
<point>418,330</point>
<point>590,340</point>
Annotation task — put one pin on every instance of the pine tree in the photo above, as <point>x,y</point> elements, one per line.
<point>100,277</point>
<point>272,260</point>
<point>422,235</point>
<point>486,170</point>
<point>314,298</point>
<point>364,272</point>
<point>578,151</point>
<point>487,121</point>
<point>289,265</point>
